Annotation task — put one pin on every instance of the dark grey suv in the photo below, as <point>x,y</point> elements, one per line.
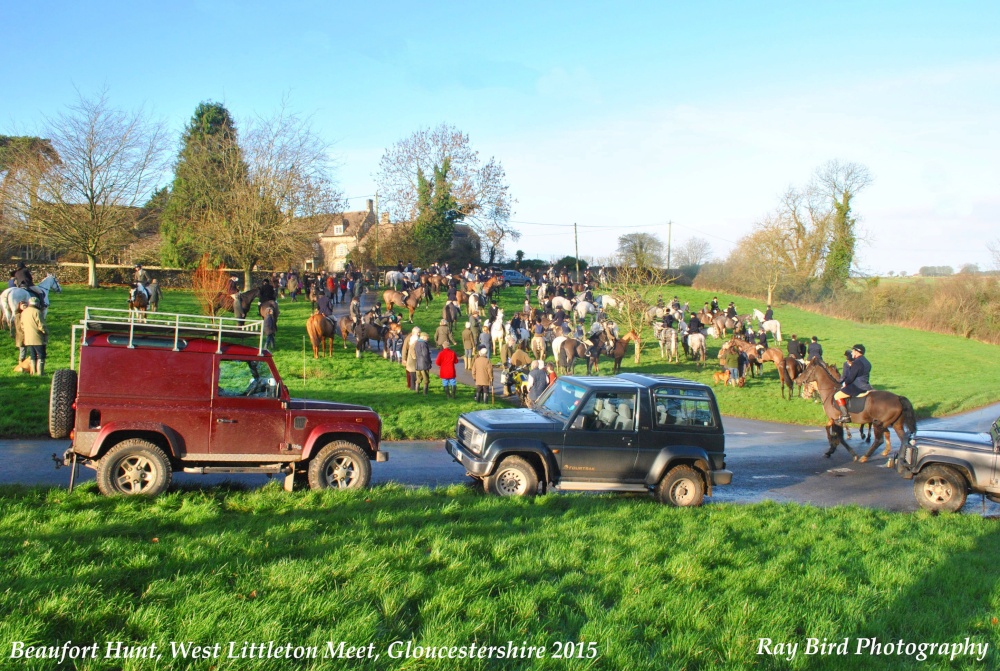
<point>946,465</point>
<point>629,433</point>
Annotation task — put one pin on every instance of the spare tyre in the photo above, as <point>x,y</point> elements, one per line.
<point>61,398</point>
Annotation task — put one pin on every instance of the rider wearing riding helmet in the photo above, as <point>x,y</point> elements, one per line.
<point>854,381</point>
<point>22,276</point>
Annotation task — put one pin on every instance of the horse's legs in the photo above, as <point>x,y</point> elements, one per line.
<point>831,438</point>
<point>877,433</point>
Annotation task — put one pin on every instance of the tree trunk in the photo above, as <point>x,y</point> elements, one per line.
<point>92,271</point>
<point>770,290</point>
<point>248,279</point>
<point>638,350</point>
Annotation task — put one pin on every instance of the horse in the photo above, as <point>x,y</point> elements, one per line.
<point>560,302</point>
<point>570,350</point>
<point>696,347</point>
<point>223,302</point>
<point>392,297</point>
<point>497,332</point>
<point>321,329</point>
<point>667,338</point>
<point>793,370</point>
<point>394,278</point>
<point>345,325</point>
<point>606,302</point>
<point>882,409</point>
<point>618,351</point>
<point>450,313</point>
<point>654,313</point>
<point>492,285</point>
<point>10,297</point>
<point>582,309</point>
<point>474,303</point>
<point>138,301</point>
<point>377,332</point>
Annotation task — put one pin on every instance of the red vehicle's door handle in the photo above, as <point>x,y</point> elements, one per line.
<point>223,420</point>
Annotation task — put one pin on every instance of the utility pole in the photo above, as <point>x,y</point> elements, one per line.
<point>377,216</point>
<point>670,226</point>
<point>576,251</point>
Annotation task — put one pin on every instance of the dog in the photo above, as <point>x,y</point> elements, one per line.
<point>722,377</point>
<point>741,381</point>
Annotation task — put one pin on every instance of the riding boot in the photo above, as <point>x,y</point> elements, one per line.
<point>426,385</point>
<point>41,367</point>
<point>845,417</point>
<point>31,366</point>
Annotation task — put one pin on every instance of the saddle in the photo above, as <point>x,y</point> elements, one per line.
<point>38,293</point>
<point>856,404</point>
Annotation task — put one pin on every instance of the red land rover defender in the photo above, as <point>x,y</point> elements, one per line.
<point>176,393</point>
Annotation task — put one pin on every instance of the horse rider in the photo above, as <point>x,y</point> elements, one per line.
<point>731,310</point>
<point>815,350</point>
<point>538,339</point>
<point>355,309</point>
<point>22,276</point>
<point>768,314</point>
<point>267,292</point>
<point>854,381</point>
<point>715,305</point>
<point>233,288</point>
<point>323,305</point>
<point>762,338</point>
<point>796,349</point>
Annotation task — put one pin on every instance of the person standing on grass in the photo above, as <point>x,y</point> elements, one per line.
<point>442,337</point>
<point>482,375</point>
<point>22,351</point>
<point>733,364</point>
<point>550,370</point>
<point>485,341</point>
<point>270,329</point>
<point>445,361</point>
<point>422,362</point>
<point>154,295</point>
<point>35,336</point>
<point>469,344</point>
<point>410,358</point>
<point>537,381</point>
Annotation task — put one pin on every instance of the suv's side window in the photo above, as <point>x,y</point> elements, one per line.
<point>245,378</point>
<point>683,407</point>
<point>607,411</point>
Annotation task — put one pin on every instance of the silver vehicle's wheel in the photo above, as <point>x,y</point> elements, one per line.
<point>939,487</point>
<point>340,465</point>
<point>513,477</point>
<point>682,486</point>
<point>134,468</point>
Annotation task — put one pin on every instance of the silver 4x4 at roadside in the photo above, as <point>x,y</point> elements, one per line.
<point>629,433</point>
<point>946,465</point>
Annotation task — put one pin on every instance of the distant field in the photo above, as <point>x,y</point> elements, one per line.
<point>940,374</point>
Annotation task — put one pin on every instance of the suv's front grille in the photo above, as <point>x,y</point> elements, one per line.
<point>464,433</point>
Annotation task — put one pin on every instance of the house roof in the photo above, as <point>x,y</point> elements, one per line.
<point>351,221</point>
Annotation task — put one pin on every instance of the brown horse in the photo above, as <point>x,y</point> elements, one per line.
<point>411,302</point>
<point>345,325</point>
<point>882,409</point>
<point>223,302</point>
<point>571,350</point>
<point>792,369</point>
<point>320,330</point>
<point>137,303</point>
<point>616,351</point>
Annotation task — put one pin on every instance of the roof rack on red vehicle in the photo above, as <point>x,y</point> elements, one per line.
<point>165,324</point>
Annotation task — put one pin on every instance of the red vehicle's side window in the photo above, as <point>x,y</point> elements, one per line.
<point>251,379</point>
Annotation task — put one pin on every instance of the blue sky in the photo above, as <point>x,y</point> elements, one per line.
<point>618,116</point>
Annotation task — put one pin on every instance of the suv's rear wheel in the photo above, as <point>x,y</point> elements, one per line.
<point>513,477</point>
<point>61,397</point>
<point>134,467</point>
<point>340,465</point>
<point>939,487</point>
<point>681,486</point>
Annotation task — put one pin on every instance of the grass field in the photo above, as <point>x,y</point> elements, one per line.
<point>653,587</point>
<point>940,374</point>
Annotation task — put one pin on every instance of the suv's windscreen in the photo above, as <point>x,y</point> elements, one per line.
<point>561,399</point>
<point>246,378</point>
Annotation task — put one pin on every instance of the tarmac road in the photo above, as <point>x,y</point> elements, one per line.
<point>779,462</point>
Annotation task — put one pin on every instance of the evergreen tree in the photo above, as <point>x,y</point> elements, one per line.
<point>437,214</point>
<point>196,207</point>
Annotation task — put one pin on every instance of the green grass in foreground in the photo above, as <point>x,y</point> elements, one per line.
<point>940,374</point>
<point>654,587</point>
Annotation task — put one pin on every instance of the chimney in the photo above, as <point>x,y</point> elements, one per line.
<point>371,205</point>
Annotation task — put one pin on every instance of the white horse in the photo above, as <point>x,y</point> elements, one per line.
<point>654,313</point>
<point>542,290</point>
<point>497,331</point>
<point>473,303</point>
<point>607,302</point>
<point>772,326</point>
<point>583,308</point>
<point>562,302</point>
<point>696,344</point>
<point>394,278</point>
<point>667,338</point>
<point>10,297</point>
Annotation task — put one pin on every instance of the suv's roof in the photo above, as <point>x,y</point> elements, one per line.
<point>164,344</point>
<point>633,379</point>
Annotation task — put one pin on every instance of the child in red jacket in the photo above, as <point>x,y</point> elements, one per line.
<point>445,361</point>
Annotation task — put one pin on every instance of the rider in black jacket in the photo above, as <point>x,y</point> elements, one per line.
<point>854,380</point>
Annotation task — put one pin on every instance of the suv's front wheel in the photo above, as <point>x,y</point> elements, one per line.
<point>134,468</point>
<point>939,487</point>
<point>340,465</point>
<point>513,477</point>
<point>681,486</point>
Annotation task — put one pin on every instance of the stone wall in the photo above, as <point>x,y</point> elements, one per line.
<point>108,275</point>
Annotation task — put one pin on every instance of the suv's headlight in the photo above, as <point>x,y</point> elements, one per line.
<point>477,442</point>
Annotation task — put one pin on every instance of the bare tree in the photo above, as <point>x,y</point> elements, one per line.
<point>994,248</point>
<point>277,186</point>
<point>628,287</point>
<point>760,260</point>
<point>481,189</point>
<point>640,250</point>
<point>694,252</point>
<point>86,201</point>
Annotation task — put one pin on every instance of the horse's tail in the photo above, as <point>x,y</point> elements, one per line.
<point>909,416</point>
<point>313,331</point>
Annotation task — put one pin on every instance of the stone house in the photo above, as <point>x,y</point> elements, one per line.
<point>342,233</point>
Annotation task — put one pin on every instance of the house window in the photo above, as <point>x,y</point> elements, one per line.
<point>341,250</point>
<point>338,229</point>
